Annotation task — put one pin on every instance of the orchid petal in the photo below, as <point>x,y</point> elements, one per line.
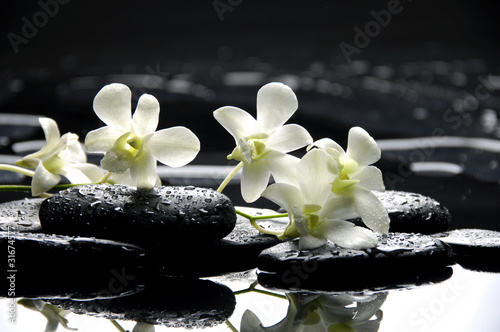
<point>146,115</point>
<point>236,121</point>
<point>339,207</point>
<point>50,130</point>
<point>102,139</point>
<point>143,170</point>
<point>370,177</point>
<point>250,322</point>
<point>91,171</point>
<point>283,167</point>
<point>289,138</point>
<point>362,147</point>
<point>43,180</point>
<point>314,176</point>
<point>174,146</point>
<point>74,150</point>
<point>285,195</point>
<point>254,179</point>
<point>308,241</point>
<point>112,105</point>
<point>276,103</point>
<point>74,175</point>
<point>326,143</point>
<point>347,235</point>
<point>371,210</point>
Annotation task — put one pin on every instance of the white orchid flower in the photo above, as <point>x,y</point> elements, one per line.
<point>314,215</point>
<point>131,143</point>
<point>356,179</point>
<point>262,143</point>
<point>62,155</point>
<point>323,312</point>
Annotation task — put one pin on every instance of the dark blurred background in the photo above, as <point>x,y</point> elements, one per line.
<point>400,69</point>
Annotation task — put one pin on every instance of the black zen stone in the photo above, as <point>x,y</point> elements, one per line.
<point>20,215</point>
<point>173,302</point>
<point>238,251</point>
<point>56,266</point>
<point>413,213</point>
<point>474,249</point>
<point>398,260</point>
<point>168,214</point>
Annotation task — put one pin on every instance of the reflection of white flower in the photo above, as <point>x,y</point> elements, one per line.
<point>323,313</point>
<point>62,155</point>
<point>314,214</point>
<point>131,143</point>
<point>262,143</point>
<point>356,179</point>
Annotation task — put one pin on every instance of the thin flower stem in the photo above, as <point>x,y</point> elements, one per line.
<point>105,178</point>
<point>231,326</point>
<point>9,187</point>
<point>229,177</point>
<point>17,169</point>
<point>118,326</point>
<point>256,226</point>
<point>253,289</point>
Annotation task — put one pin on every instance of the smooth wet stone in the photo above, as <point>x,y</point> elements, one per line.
<point>398,260</point>
<point>238,251</point>
<point>21,215</point>
<point>167,214</point>
<point>56,266</point>
<point>474,249</point>
<point>172,302</point>
<point>413,213</point>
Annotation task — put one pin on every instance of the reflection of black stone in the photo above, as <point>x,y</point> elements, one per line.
<point>177,302</point>
<point>175,214</point>
<point>238,251</point>
<point>398,260</point>
<point>42,265</point>
<point>20,216</point>
<point>413,213</point>
<point>474,249</point>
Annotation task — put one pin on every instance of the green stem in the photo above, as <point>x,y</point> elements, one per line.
<point>118,326</point>
<point>231,326</point>
<point>15,187</point>
<point>256,226</point>
<point>229,177</point>
<point>105,178</point>
<point>17,169</point>
<point>253,289</point>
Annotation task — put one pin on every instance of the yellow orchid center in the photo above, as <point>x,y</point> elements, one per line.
<point>250,148</point>
<point>343,181</point>
<point>126,149</point>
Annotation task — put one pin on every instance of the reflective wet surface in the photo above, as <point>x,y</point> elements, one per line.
<point>425,86</point>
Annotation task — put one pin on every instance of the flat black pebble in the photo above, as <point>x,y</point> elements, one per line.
<point>21,215</point>
<point>238,251</point>
<point>56,266</point>
<point>173,302</point>
<point>474,249</point>
<point>413,213</point>
<point>171,214</point>
<point>399,259</point>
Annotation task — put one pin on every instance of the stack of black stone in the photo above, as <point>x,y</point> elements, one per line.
<point>121,249</point>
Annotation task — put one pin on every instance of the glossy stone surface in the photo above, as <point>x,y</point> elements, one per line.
<point>474,249</point>
<point>57,266</point>
<point>173,302</point>
<point>413,213</point>
<point>167,214</point>
<point>238,251</point>
<point>21,215</point>
<point>399,258</point>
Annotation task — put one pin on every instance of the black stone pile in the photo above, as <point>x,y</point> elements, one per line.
<point>115,242</point>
